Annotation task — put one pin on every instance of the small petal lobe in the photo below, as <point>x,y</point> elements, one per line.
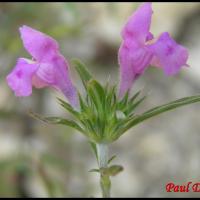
<point>38,44</point>
<point>138,25</point>
<point>168,54</point>
<point>19,80</point>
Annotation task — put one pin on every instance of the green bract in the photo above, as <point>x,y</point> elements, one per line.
<point>102,116</point>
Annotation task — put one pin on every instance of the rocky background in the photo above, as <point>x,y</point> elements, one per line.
<point>40,160</point>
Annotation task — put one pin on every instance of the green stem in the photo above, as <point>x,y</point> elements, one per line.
<point>102,153</point>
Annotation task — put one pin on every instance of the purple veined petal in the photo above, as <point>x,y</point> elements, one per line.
<point>168,54</point>
<point>46,74</point>
<point>55,73</point>
<point>39,45</point>
<point>63,81</point>
<point>48,69</point>
<point>138,25</point>
<point>126,72</point>
<point>133,55</point>
<point>140,58</point>
<point>19,80</point>
<point>133,60</point>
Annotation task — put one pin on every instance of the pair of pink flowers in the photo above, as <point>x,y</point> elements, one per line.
<point>138,51</point>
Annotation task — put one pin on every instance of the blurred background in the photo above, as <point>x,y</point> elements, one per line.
<point>40,160</point>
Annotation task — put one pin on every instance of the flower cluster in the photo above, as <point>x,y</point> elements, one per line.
<point>47,67</point>
<point>139,50</point>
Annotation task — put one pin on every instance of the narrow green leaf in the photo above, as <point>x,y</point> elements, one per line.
<point>109,96</point>
<point>109,101</point>
<point>69,108</point>
<point>135,96</point>
<point>97,95</point>
<point>83,106</point>
<point>93,146</point>
<point>111,159</point>
<point>97,88</point>
<point>82,71</point>
<point>131,107</point>
<point>124,100</point>
<point>93,98</point>
<point>57,120</point>
<point>94,170</point>
<point>161,109</point>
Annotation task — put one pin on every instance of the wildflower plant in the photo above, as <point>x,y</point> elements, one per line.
<point>106,111</point>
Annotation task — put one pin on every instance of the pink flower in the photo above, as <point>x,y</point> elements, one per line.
<point>47,68</point>
<point>139,49</point>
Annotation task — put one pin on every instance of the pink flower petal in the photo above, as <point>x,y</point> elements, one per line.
<point>63,81</point>
<point>39,45</point>
<point>139,49</point>
<point>19,80</point>
<point>55,73</point>
<point>138,25</point>
<point>168,54</point>
<point>133,60</point>
<point>133,55</point>
<point>53,68</point>
<point>126,72</point>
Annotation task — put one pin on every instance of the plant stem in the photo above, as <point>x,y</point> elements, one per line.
<point>102,154</point>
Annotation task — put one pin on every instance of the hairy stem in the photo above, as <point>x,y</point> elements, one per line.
<point>102,153</point>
